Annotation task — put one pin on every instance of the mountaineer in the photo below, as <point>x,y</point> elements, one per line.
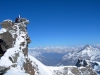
<point>17,20</point>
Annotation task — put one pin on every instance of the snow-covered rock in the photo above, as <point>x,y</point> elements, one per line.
<point>16,37</point>
<point>72,70</point>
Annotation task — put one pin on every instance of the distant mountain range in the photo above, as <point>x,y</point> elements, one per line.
<point>53,58</point>
<point>87,53</point>
<point>45,55</point>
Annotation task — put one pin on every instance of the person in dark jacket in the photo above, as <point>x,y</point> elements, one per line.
<point>1,42</point>
<point>16,20</point>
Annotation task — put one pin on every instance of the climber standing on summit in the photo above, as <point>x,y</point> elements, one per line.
<point>17,20</point>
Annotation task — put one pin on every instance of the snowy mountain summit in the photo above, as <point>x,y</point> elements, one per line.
<point>87,53</point>
<point>15,59</point>
<point>87,47</point>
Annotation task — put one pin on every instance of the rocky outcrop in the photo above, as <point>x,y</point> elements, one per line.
<point>28,67</point>
<point>16,38</point>
<point>8,39</point>
<point>81,62</point>
<point>73,70</point>
<point>6,24</point>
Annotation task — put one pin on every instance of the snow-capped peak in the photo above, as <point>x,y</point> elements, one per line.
<point>87,47</point>
<point>88,52</point>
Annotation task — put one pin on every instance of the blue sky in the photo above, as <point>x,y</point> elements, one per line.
<point>57,22</point>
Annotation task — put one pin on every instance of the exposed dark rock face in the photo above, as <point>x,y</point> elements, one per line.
<point>7,37</point>
<point>81,62</point>
<point>3,70</point>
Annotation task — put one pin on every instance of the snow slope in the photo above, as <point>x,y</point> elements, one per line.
<point>42,68</point>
